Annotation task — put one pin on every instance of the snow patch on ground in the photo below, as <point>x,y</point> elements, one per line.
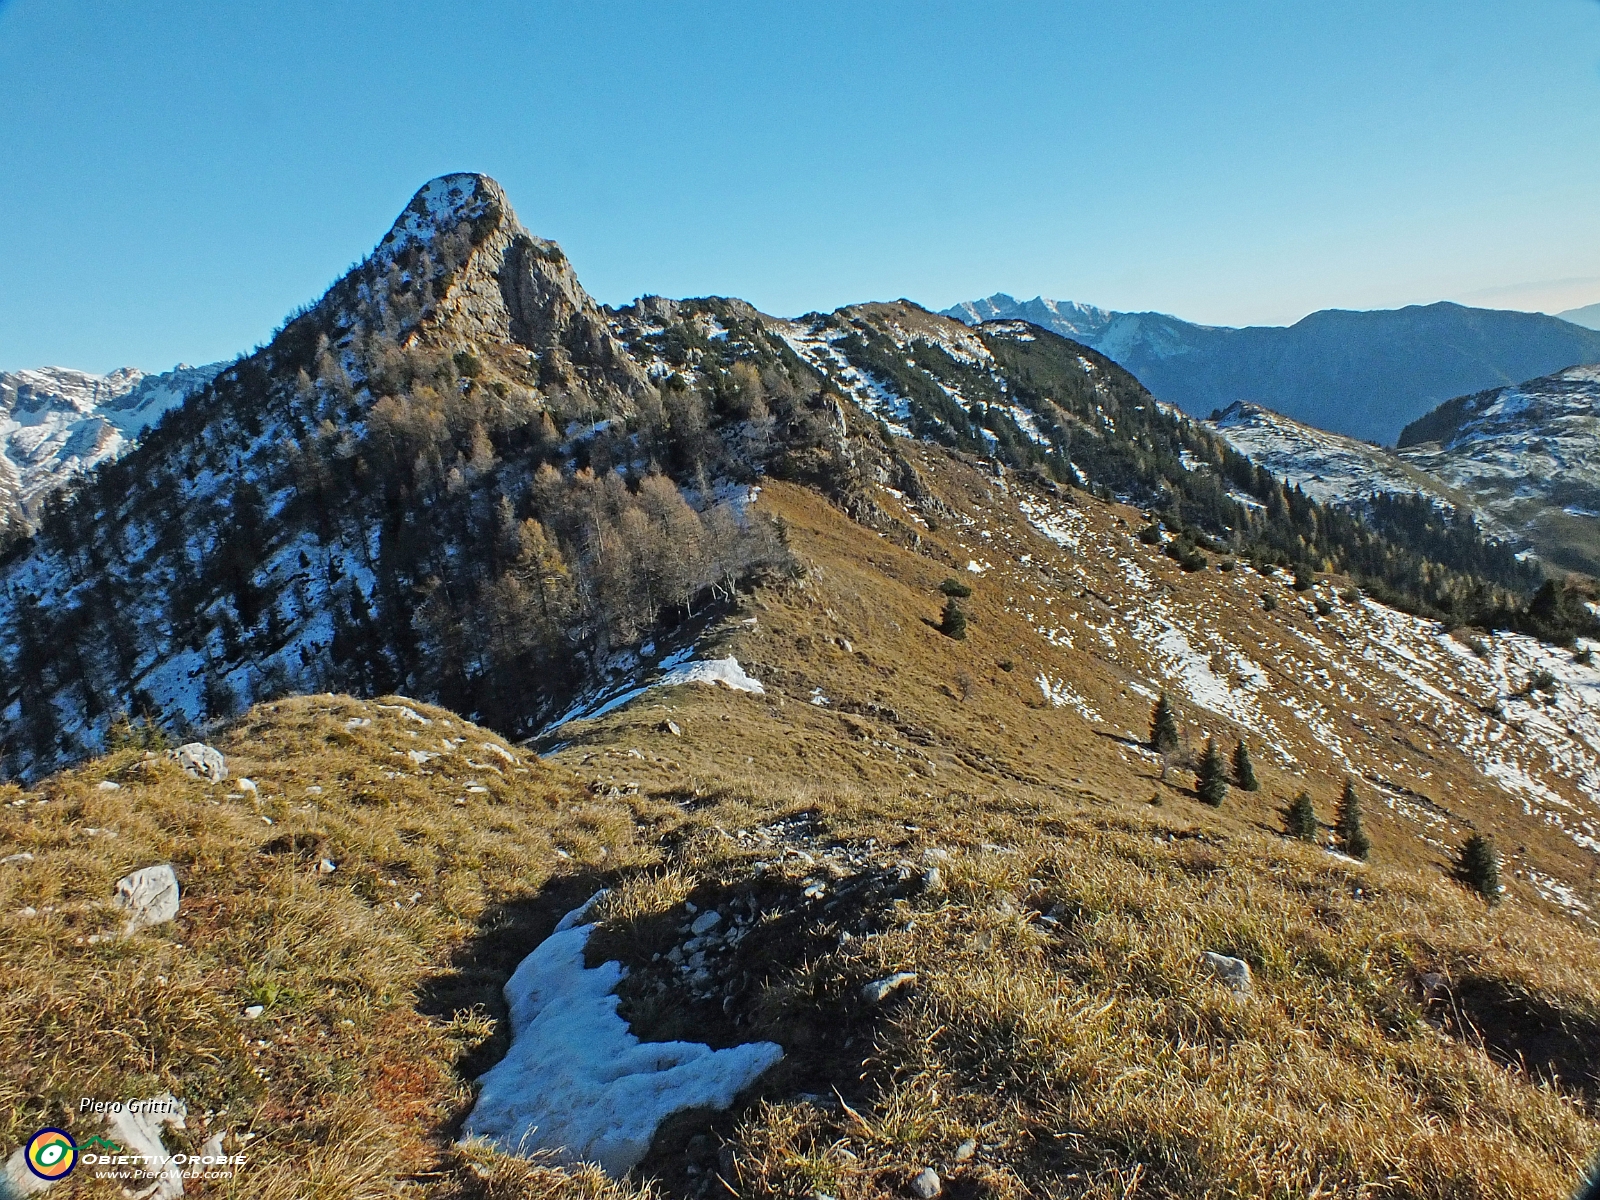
<point>576,1082</point>
<point>1064,527</point>
<point>1061,695</point>
<point>679,669</point>
<point>725,671</point>
<point>1557,892</point>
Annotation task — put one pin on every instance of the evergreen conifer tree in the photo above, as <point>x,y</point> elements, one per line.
<point>1351,836</point>
<point>1244,775</point>
<point>1212,779</point>
<point>1478,866</point>
<point>1301,819</point>
<point>954,622</point>
<point>1163,726</point>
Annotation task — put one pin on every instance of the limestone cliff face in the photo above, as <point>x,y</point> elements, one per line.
<point>459,268</point>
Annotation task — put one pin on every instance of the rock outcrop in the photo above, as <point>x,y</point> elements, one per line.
<point>458,268</point>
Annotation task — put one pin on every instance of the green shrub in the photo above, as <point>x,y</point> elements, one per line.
<point>1163,726</point>
<point>138,734</point>
<point>1244,772</point>
<point>1211,781</point>
<point>954,622</point>
<point>1478,867</point>
<point>1300,821</point>
<point>1352,837</point>
<point>1186,554</point>
<point>954,587</point>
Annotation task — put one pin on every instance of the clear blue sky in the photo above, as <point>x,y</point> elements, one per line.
<point>178,175</point>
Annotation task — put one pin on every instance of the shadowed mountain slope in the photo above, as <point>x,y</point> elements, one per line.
<point>1528,455</point>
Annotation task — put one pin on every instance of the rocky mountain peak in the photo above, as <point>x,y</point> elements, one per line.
<point>441,206</point>
<point>458,268</point>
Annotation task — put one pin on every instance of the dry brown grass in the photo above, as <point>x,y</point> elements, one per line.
<point>345,1085</point>
<point>1097,1056</point>
<point>1091,1056</point>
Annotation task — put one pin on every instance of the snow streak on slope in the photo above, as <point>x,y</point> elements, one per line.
<point>814,343</point>
<point>1316,681</point>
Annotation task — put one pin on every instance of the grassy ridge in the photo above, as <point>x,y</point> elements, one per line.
<point>1085,1054</point>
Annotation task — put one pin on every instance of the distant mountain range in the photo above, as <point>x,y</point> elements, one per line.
<point>1362,374</point>
<point>1587,316</point>
<point>56,422</point>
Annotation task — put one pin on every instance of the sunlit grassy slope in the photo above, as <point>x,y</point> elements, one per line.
<point>1402,1039</point>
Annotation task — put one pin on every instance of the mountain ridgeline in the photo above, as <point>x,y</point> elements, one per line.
<point>1363,374</point>
<point>458,477</point>
<point>1526,456</point>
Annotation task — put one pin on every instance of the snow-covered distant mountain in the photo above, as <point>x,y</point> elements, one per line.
<point>1081,322</point>
<point>1332,468</point>
<point>1363,374</point>
<point>1588,316</point>
<point>1529,455</point>
<point>56,422</point>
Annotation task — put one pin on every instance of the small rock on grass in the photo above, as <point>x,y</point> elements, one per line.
<point>149,897</point>
<point>201,761</point>
<point>1234,972</point>
<point>880,989</point>
<point>140,1133</point>
<point>17,1180</point>
<point>966,1150</point>
<point>926,1184</point>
